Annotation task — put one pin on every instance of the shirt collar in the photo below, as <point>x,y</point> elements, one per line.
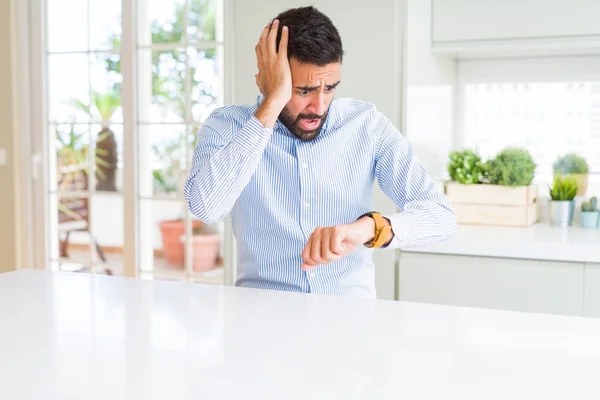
<point>280,126</point>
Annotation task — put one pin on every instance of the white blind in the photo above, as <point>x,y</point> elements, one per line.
<point>548,118</point>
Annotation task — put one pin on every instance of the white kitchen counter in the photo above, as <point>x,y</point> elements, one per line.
<point>538,242</point>
<point>78,336</point>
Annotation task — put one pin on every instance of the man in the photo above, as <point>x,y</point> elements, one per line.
<point>296,171</point>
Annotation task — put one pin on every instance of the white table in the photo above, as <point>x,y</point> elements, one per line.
<point>77,336</point>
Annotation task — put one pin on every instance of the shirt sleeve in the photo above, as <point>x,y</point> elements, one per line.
<point>425,213</point>
<point>228,151</point>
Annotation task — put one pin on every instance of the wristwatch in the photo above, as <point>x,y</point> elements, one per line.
<point>381,230</point>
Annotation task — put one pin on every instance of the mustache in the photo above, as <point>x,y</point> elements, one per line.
<point>309,116</point>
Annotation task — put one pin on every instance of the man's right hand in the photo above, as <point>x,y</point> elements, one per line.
<point>274,78</point>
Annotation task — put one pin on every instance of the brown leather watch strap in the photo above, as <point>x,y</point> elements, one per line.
<point>381,230</point>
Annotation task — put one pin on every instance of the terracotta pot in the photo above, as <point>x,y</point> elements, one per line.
<point>205,251</point>
<point>172,247</point>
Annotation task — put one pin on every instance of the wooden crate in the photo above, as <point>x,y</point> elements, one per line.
<point>493,204</point>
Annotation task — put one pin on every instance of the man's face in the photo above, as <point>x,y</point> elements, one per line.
<point>313,89</point>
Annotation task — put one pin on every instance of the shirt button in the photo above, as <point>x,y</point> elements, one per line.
<point>306,205</point>
<point>311,274</point>
<point>304,165</point>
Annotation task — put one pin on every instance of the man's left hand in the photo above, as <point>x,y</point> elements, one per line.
<point>333,243</point>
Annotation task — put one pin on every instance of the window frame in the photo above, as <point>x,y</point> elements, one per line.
<point>519,70</point>
<point>34,14</point>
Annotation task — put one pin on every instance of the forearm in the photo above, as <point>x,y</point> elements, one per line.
<point>216,182</point>
<point>422,222</point>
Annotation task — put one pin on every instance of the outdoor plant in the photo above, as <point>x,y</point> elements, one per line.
<point>466,167</point>
<point>590,205</point>
<point>105,105</point>
<point>563,189</point>
<point>570,164</point>
<point>512,167</point>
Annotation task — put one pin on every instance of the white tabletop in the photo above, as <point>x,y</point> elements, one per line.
<point>77,336</point>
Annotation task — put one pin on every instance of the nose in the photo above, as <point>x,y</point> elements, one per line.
<point>319,103</point>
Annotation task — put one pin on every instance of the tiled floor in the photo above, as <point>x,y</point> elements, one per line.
<point>79,260</point>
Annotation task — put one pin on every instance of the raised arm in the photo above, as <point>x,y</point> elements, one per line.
<point>230,144</point>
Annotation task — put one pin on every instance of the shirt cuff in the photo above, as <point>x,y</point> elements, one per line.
<point>253,136</point>
<point>404,227</point>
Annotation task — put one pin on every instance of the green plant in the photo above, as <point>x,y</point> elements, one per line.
<point>570,164</point>
<point>512,167</point>
<point>169,72</point>
<point>563,189</point>
<point>466,167</point>
<point>587,206</point>
<point>105,104</point>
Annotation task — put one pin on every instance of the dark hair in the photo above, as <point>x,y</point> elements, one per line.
<point>313,39</point>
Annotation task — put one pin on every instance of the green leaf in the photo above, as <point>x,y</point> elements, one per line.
<point>512,167</point>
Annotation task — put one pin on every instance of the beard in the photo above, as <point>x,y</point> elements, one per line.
<point>293,124</point>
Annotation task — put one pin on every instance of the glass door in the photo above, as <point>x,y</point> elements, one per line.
<point>128,84</point>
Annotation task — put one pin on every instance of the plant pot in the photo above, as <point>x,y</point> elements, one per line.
<point>589,219</point>
<point>205,251</point>
<point>172,247</point>
<point>582,182</point>
<point>561,212</point>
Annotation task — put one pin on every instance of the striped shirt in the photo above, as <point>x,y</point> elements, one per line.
<point>278,189</point>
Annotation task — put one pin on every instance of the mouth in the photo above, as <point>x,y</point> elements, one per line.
<point>309,124</point>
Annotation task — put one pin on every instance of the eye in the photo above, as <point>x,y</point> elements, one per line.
<point>304,92</point>
<point>330,89</point>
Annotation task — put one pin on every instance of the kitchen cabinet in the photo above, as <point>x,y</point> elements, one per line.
<point>499,283</point>
<point>491,25</point>
<point>591,290</point>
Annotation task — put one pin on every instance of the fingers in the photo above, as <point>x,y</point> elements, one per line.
<point>272,39</point>
<point>315,248</point>
<point>283,43</point>
<point>262,41</point>
<point>259,57</point>
<point>322,247</point>
<point>327,250</point>
<point>306,254</point>
<point>337,242</point>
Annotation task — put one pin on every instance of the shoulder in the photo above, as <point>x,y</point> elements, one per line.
<point>352,111</point>
<point>234,114</point>
<point>349,109</point>
<point>228,120</point>
<point>360,113</point>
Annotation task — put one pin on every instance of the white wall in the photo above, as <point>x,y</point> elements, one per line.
<point>430,84</point>
<point>372,38</point>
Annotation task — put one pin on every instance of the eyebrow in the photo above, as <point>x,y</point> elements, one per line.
<point>312,88</point>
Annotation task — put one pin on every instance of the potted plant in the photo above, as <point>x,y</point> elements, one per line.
<point>576,166</point>
<point>466,167</point>
<point>205,245</point>
<point>172,232</point>
<point>589,214</point>
<point>105,105</point>
<point>561,203</point>
<point>496,192</point>
<point>512,167</point>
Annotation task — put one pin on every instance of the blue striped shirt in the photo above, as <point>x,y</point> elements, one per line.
<point>278,189</point>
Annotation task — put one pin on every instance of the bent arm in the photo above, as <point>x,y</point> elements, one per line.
<point>425,213</point>
<point>227,154</point>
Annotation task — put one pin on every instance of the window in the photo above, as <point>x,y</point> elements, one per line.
<point>553,112</point>
<point>178,50</point>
